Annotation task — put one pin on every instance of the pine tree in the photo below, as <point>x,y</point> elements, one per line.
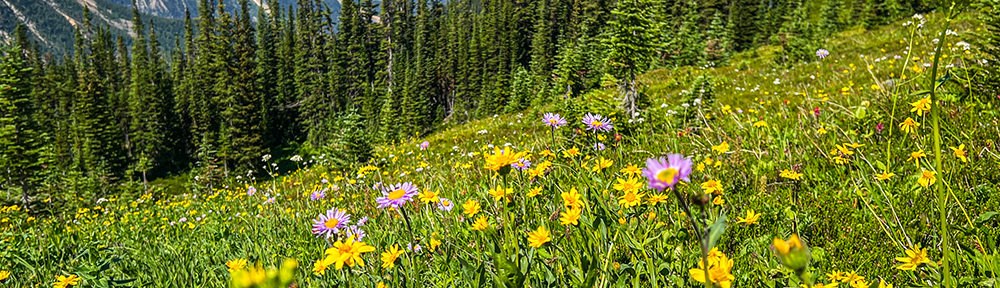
<point>146,127</point>
<point>717,42</point>
<point>829,19</point>
<point>20,137</point>
<point>244,112</point>
<point>630,48</point>
<point>743,24</point>
<point>690,43</point>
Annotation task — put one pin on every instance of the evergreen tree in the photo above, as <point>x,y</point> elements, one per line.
<point>630,47</point>
<point>20,163</point>
<point>146,126</point>
<point>244,112</point>
<point>717,43</point>
<point>743,24</point>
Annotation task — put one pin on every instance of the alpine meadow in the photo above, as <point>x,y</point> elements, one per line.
<point>500,143</point>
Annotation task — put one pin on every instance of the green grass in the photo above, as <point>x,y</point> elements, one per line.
<point>852,221</point>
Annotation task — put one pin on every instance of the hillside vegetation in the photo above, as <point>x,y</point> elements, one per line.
<point>818,172</point>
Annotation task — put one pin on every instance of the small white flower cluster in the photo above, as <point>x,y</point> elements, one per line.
<point>483,131</point>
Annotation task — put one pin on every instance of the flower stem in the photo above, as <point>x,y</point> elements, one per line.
<point>702,243</point>
<point>942,198</point>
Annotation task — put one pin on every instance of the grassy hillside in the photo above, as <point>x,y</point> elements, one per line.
<point>814,150</point>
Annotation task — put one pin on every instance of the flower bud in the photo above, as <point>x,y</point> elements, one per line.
<point>792,253</point>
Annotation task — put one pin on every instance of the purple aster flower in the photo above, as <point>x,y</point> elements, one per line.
<point>597,123</point>
<point>183,219</point>
<point>553,120</point>
<point>664,173</point>
<point>599,146</point>
<point>318,195</point>
<point>419,169</point>
<point>424,145</point>
<point>822,53</point>
<point>413,248</point>
<point>324,181</point>
<point>521,165</point>
<point>251,191</point>
<point>331,222</point>
<point>270,200</point>
<point>397,195</point>
<point>363,221</point>
<point>356,232</point>
<point>445,205</point>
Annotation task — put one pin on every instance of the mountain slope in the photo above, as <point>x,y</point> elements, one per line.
<point>175,8</point>
<point>52,23</point>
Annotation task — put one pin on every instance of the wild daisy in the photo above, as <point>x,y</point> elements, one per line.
<point>822,53</point>
<point>445,205</point>
<point>597,123</point>
<point>663,173</point>
<point>397,195</point>
<point>553,120</point>
<point>330,223</point>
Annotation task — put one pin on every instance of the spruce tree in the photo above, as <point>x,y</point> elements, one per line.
<point>20,138</point>
<point>146,127</point>
<point>630,47</point>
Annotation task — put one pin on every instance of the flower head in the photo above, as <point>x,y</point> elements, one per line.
<point>921,106</point>
<point>792,253</point>
<point>445,205</point>
<point>960,153</point>
<point>914,257</point>
<point>597,123</point>
<point>572,198</point>
<point>424,145</point>
<point>317,195</point>
<point>390,255</point>
<point>471,207</point>
<point>721,148</point>
<point>630,199</point>
<point>822,53</point>
<point>712,187</point>
<point>750,219</point>
<point>666,172</point>
<point>571,216</point>
<point>397,195</point>
<point>521,165</point>
<point>428,196</point>
<point>909,125</point>
<point>718,271</point>
<point>502,158</point>
<point>538,237</point>
<point>4,274</point>
<point>480,224</point>
<point>553,120</point>
<point>790,174</point>
<point>66,281</point>
<point>926,178</point>
<point>236,265</point>
<point>331,222</point>
<point>348,253</point>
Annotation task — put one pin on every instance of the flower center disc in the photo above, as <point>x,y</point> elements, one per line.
<point>396,194</point>
<point>668,175</point>
<point>331,223</point>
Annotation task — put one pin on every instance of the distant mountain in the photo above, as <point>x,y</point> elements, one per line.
<point>175,8</point>
<point>52,22</point>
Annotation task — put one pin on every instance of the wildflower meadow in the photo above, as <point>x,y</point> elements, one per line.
<point>870,165</point>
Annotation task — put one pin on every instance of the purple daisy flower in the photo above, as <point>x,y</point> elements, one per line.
<point>424,145</point>
<point>318,195</point>
<point>324,181</point>
<point>251,191</point>
<point>521,165</point>
<point>597,123</point>
<point>413,248</point>
<point>356,233</point>
<point>397,195</point>
<point>599,146</point>
<point>445,205</point>
<point>363,221</point>
<point>270,200</point>
<point>331,222</point>
<point>822,53</point>
<point>664,173</point>
<point>553,120</point>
